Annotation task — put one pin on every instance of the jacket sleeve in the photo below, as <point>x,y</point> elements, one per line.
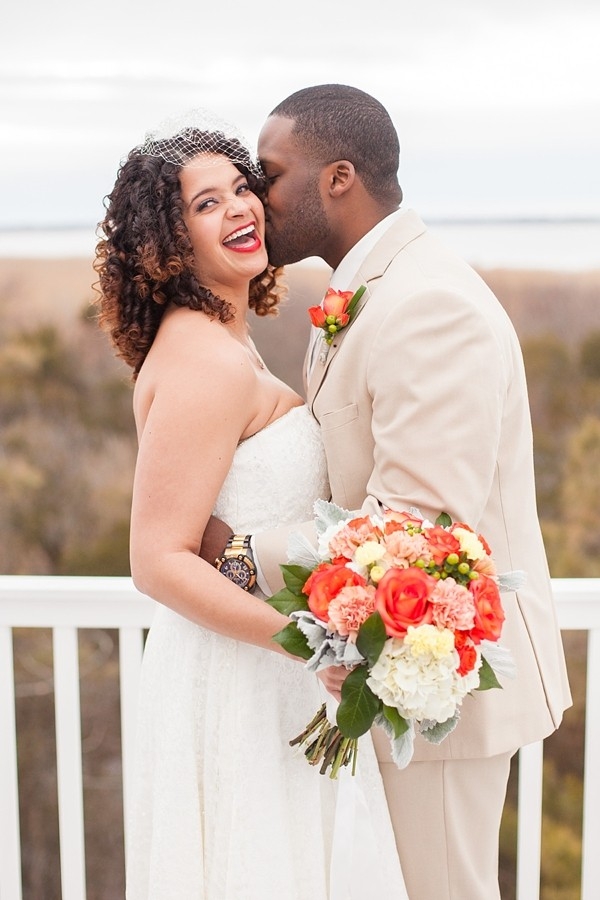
<point>271,550</point>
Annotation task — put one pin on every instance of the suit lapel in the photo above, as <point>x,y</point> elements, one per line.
<point>408,227</point>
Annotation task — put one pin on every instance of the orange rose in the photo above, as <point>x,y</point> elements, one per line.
<point>402,599</point>
<point>489,614</point>
<point>441,543</point>
<point>334,306</point>
<point>335,303</point>
<point>325,583</point>
<point>317,316</point>
<point>466,652</point>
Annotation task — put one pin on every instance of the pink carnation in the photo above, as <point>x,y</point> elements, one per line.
<point>350,608</point>
<point>453,606</point>
<point>352,535</point>
<point>485,566</point>
<point>404,549</point>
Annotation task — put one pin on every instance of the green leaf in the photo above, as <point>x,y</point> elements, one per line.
<point>371,638</point>
<point>358,706</point>
<point>355,298</point>
<point>286,602</point>
<point>295,578</point>
<point>292,640</point>
<point>443,520</point>
<point>439,731</point>
<point>398,722</point>
<point>487,677</point>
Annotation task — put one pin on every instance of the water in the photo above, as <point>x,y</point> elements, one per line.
<point>547,244</point>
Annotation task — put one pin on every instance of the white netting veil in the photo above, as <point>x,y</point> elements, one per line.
<point>199,137</point>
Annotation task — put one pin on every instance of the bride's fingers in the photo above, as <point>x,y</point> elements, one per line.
<point>333,678</point>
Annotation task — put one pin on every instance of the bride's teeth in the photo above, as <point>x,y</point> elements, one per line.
<point>236,234</point>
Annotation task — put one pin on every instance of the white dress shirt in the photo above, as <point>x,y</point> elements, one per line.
<point>345,272</point>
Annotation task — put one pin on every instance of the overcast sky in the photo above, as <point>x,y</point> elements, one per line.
<point>497,104</point>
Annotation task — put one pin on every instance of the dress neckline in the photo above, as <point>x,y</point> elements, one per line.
<point>276,421</point>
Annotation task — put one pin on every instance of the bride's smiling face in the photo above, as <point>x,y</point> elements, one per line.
<point>225,222</point>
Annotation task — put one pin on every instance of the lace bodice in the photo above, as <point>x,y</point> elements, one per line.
<point>276,475</point>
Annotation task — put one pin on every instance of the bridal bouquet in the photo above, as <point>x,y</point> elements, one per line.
<point>412,607</point>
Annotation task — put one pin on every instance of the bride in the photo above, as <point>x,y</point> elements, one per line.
<point>223,808</point>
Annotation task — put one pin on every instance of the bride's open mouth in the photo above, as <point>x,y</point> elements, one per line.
<point>244,240</point>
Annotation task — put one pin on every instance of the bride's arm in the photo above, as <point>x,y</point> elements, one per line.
<point>186,447</point>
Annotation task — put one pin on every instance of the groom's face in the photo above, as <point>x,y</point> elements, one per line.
<point>296,222</point>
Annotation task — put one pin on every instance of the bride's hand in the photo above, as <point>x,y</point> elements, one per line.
<point>333,678</point>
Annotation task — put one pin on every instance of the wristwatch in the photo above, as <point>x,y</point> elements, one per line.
<point>237,562</point>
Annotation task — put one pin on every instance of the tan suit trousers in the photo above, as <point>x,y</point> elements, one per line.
<point>446,816</point>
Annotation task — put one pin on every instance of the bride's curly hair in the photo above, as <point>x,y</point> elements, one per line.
<point>144,257</point>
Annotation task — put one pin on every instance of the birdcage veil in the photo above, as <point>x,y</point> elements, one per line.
<point>197,138</point>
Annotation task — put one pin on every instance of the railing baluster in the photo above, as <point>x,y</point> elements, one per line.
<point>131,647</point>
<point>10,840</point>
<point>68,762</point>
<point>529,835</point>
<point>591,785</point>
<point>66,603</point>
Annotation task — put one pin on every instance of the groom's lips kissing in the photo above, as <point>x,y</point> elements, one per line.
<point>243,240</point>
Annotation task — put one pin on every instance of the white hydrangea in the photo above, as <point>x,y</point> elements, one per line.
<point>423,684</point>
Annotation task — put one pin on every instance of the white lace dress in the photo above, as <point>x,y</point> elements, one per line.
<point>224,809</point>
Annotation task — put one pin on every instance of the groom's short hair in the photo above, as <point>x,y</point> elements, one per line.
<point>336,121</point>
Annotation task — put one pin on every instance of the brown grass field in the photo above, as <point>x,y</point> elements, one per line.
<point>567,304</point>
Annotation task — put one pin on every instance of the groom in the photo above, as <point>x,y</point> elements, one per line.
<point>422,402</point>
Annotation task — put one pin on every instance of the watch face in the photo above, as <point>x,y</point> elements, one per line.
<point>239,571</point>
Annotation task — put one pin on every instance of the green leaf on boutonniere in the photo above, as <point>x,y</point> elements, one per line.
<point>443,520</point>
<point>354,300</point>
<point>358,706</point>
<point>286,602</point>
<point>293,641</point>
<point>371,638</point>
<point>295,578</point>
<point>487,677</point>
<point>398,723</point>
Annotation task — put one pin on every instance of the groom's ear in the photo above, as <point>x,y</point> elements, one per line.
<point>341,175</point>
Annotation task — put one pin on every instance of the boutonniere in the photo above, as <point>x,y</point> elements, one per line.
<point>335,312</point>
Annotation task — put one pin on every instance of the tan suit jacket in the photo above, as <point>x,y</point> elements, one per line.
<point>422,402</point>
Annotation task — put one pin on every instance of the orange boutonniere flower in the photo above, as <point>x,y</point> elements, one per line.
<point>336,311</point>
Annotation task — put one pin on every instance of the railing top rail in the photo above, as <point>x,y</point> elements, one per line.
<point>49,601</point>
<point>88,601</point>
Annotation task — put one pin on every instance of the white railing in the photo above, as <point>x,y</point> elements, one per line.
<point>66,604</point>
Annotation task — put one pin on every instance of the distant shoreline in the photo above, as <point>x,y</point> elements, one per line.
<point>430,220</point>
<point>561,243</point>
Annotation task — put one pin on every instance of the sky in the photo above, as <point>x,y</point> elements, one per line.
<point>497,104</point>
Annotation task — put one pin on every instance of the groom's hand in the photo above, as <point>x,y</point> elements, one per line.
<point>214,540</point>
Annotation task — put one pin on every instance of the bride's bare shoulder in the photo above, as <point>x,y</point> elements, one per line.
<point>189,343</point>
<point>192,356</point>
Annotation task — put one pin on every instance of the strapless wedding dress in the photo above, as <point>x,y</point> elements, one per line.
<point>224,808</point>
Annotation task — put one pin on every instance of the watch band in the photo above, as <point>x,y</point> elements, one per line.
<point>239,543</point>
<point>237,562</point>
